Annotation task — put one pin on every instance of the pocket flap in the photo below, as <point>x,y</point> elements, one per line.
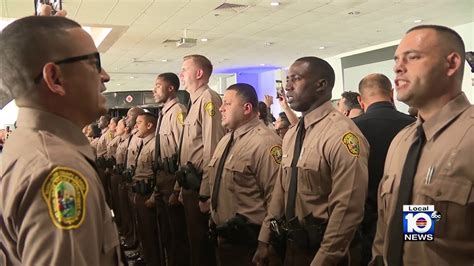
<point>235,165</point>
<point>457,190</point>
<point>387,185</point>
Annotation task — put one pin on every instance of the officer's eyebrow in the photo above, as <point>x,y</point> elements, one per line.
<point>411,51</point>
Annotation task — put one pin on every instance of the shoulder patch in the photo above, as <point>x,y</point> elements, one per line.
<point>276,153</point>
<point>352,143</point>
<point>65,191</point>
<point>181,116</point>
<point>210,109</point>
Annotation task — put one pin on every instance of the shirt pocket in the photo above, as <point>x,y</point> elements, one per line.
<point>237,170</point>
<point>309,174</point>
<point>285,171</point>
<point>453,198</point>
<point>386,190</point>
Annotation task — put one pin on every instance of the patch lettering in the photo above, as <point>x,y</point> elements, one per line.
<point>64,192</point>
<point>352,143</point>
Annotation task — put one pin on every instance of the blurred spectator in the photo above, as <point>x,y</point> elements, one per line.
<point>349,105</point>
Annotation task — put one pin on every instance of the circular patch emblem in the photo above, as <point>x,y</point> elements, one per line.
<point>181,116</point>
<point>64,191</point>
<point>210,109</point>
<point>351,141</point>
<point>276,153</point>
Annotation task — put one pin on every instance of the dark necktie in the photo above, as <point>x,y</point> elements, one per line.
<point>138,154</point>
<point>182,134</point>
<point>126,152</point>
<point>220,169</point>
<point>291,202</point>
<point>157,142</point>
<point>395,239</point>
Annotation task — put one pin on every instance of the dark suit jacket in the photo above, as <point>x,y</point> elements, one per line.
<point>380,123</point>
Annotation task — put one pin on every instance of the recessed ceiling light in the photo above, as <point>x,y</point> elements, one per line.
<point>417,21</point>
<point>262,64</point>
<point>132,77</point>
<point>354,13</point>
<point>322,47</point>
<point>118,84</point>
<point>268,43</point>
<point>204,40</point>
<point>164,60</point>
<point>274,3</point>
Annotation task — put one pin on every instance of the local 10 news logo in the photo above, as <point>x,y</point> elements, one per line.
<point>419,222</point>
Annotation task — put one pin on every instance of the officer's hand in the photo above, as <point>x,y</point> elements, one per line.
<point>205,207</point>
<point>173,200</point>
<point>47,10</point>
<point>150,203</point>
<point>268,100</point>
<point>261,255</point>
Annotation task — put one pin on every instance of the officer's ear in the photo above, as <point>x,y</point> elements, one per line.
<point>52,76</point>
<point>321,85</point>
<point>199,73</point>
<point>248,109</point>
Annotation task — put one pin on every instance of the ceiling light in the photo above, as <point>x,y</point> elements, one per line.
<point>417,21</point>
<point>118,84</point>
<point>262,64</point>
<point>204,40</point>
<point>164,60</point>
<point>132,77</point>
<point>354,13</point>
<point>322,47</point>
<point>268,43</point>
<point>274,3</point>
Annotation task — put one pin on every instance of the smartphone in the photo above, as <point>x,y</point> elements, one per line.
<point>279,89</point>
<point>56,5</point>
<point>470,60</point>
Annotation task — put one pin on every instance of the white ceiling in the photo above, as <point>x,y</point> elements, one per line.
<point>237,38</point>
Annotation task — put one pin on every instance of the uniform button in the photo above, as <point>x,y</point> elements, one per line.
<point>438,193</point>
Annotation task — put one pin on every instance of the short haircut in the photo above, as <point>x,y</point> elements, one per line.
<point>449,36</point>
<point>247,93</point>
<point>149,117</point>
<point>25,46</point>
<point>351,100</point>
<point>96,132</point>
<point>202,62</point>
<point>115,120</point>
<point>171,78</point>
<point>375,82</point>
<point>320,68</point>
<point>284,123</point>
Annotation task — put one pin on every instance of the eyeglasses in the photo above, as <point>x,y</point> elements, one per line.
<point>69,60</point>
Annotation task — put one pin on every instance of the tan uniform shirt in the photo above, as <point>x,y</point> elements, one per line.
<point>171,128</point>
<point>122,148</point>
<point>103,142</point>
<point>112,147</point>
<point>249,173</point>
<point>132,151</point>
<point>52,204</point>
<point>146,156</point>
<point>202,132</point>
<point>449,149</point>
<point>332,179</point>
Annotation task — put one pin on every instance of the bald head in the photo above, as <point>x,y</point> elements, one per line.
<point>25,46</point>
<point>374,88</point>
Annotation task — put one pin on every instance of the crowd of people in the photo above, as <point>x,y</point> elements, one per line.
<point>215,181</point>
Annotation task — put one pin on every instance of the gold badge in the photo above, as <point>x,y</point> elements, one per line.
<point>352,143</point>
<point>276,153</point>
<point>181,116</point>
<point>210,109</point>
<point>65,191</point>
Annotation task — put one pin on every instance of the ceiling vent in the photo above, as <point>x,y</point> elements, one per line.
<point>229,6</point>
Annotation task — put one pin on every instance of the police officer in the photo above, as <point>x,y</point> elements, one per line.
<point>242,173</point>
<point>379,124</point>
<point>171,221</point>
<point>430,162</point>
<point>142,188</point>
<point>202,131</point>
<point>111,164</point>
<point>323,182</point>
<point>52,204</point>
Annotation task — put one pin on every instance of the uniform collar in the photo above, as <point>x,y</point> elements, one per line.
<point>105,130</point>
<point>253,123</point>
<point>66,130</point>
<point>196,94</point>
<point>380,105</point>
<point>168,106</point>
<point>125,136</point>
<point>148,138</point>
<point>318,114</point>
<point>448,113</point>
